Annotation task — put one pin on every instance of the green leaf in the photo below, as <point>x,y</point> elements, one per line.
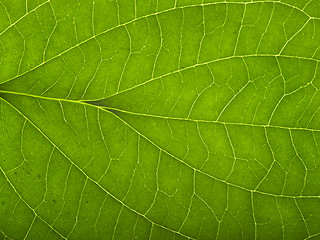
<point>146,119</point>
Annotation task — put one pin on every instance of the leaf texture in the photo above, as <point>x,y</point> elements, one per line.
<point>146,119</point>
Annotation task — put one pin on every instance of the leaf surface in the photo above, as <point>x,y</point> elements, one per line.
<point>159,119</point>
